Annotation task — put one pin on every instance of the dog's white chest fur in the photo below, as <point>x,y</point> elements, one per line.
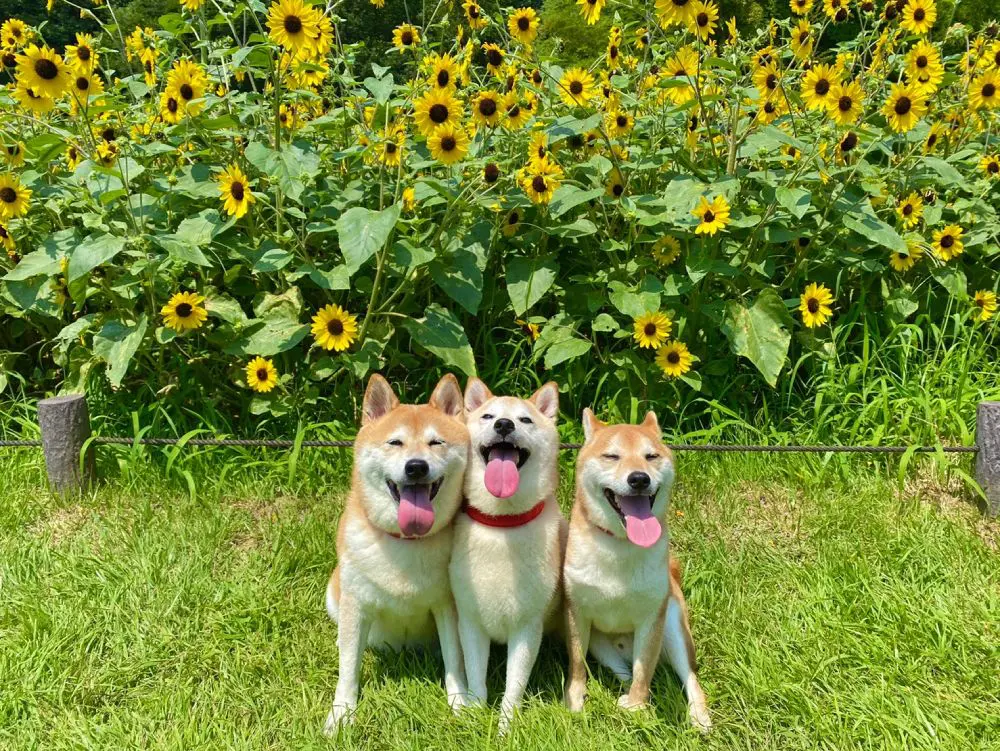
<point>507,577</point>
<point>615,583</point>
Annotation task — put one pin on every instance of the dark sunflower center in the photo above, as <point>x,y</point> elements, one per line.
<point>3,232</point>
<point>536,77</point>
<point>989,90</point>
<point>576,88</point>
<point>172,105</point>
<point>841,15</point>
<point>335,327</point>
<point>83,53</point>
<point>186,91</point>
<point>108,134</point>
<point>680,3</point>
<point>947,241</point>
<point>702,19</point>
<point>980,302</point>
<point>262,374</point>
<point>709,216</point>
<point>931,139</point>
<point>448,143</point>
<point>803,37</point>
<point>513,111</point>
<point>438,113</point>
<point>621,121</point>
<point>46,69</point>
<point>406,38</point>
<point>769,107</point>
<point>993,168</point>
<point>673,357</point>
<point>237,190</point>
<point>14,149</point>
<point>845,103</point>
<point>523,23</point>
<point>903,105</point>
<point>922,61</point>
<point>618,189</point>
<point>9,60</point>
<point>813,305</point>
<point>8,195</point>
<point>649,329</point>
<point>184,310</point>
<point>772,81</point>
<point>849,142</point>
<point>82,83</point>
<point>919,14</point>
<point>613,51</point>
<point>293,24</point>
<point>473,12</point>
<point>822,87</point>
<point>390,147</point>
<point>491,173</point>
<point>803,242</point>
<point>487,107</point>
<point>443,78</point>
<point>495,58</point>
<point>538,184</point>
<point>514,218</point>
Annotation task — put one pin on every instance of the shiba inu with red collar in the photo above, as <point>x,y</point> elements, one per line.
<point>390,586</point>
<point>507,557</point>
<point>621,585</point>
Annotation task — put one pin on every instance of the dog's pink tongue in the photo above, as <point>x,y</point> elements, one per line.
<point>502,477</point>
<point>415,514</point>
<point>641,527</point>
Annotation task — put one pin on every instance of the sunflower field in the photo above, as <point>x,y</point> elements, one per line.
<point>229,200</point>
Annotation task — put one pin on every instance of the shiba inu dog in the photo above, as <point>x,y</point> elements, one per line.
<point>623,591</point>
<point>507,556</point>
<point>390,586</point>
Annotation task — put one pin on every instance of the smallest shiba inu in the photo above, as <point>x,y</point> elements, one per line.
<point>621,585</point>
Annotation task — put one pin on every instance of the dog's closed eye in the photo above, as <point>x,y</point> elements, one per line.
<point>652,457</point>
<point>435,442</point>
<point>394,442</point>
<point>612,457</point>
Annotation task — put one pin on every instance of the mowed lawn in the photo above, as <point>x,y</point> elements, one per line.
<point>830,610</point>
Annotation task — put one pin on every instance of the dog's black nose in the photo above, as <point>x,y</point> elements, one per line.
<point>638,481</point>
<point>503,426</point>
<point>416,469</point>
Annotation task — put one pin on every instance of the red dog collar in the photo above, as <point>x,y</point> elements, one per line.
<point>504,521</point>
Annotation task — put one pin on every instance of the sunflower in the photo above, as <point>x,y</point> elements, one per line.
<point>235,190</point>
<point>6,239</point>
<point>184,312</point>
<point>712,215</point>
<point>670,12</point>
<point>171,109</point>
<point>262,376</point>
<point>933,137</point>
<point>674,359</point>
<point>106,153</point>
<point>405,37</point>
<point>531,330</point>
<point>904,107</point>
<point>487,108</point>
<point>73,157</point>
<point>515,111</point>
<point>919,16</point>
<point>448,143</point>
<point>817,87</point>
<point>474,15</point>
<point>923,64</point>
<point>910,209</point>
<point>435,108</point>
<point>703,19</point>
<point>576,87</point>
<point>986,302</point>
<point>848,102</point>
<point>650,330</point>
<point>390,150</point>
<point>666,250</point>
<point>767,79</point>
<point>984,91</point>
<point>523,25</point>
<point>512,223</point>
<point>293,24</point>
<point>491,173</point>
<point>192,5</point>
<point>14,197</point>
<point>990,165</point>
<point>82,56</point>
<point>836,10</point>
<point>494,58</point>
<point>618,123</point>
<point>540,179</point>
<point>539,146</point>
<point>14,33</point>
<point>334,328</point>
<point>591,10</point>
<point>814,305</point>
<point>84,86</point>
<point>771,109</point>
<point>409,199</point>
<point>847,144</point>
<point>948,242</point>
<point>801,7</point>
<point>615,187</point>
<point>905,261</point>
<point>43,71</point>
<point>148,61</point>
<point>802,40</point>
<point>443,71</point>
<point>13,153</point>
<point>187,82</point>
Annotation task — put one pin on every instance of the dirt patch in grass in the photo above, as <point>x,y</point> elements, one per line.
<point>948,495</point>
<point>61,525</point>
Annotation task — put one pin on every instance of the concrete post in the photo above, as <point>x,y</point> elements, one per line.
<point>65,424</point>
<point>988,458</point>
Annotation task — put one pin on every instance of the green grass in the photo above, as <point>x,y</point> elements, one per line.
<point>830,610</point>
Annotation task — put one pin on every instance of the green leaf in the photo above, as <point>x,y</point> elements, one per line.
<point>862,219</point>
<point>566,349</point>
<point>411,256</point>
<point>226,308</point>
<point>528,279</point>
<point>604,322</point>
<point>363,232</point>
<point>116,343</point>
<point>901,304</point>
<point>758,333</point>
<point>568,197</point>
<point>441,333</point>
<point>292,167</point>
<point>579,228</point>
<point>459,272</point>
<point>45,260</point>
<point>92,252</point>
<point>381,88</point>
<point>795,201</point>
<point>634,301</point>
<point>952,279</point>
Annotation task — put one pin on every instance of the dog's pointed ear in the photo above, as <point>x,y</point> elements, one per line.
<point>476,394</point>
<point>651,423</point>
<point>379,399</point>
<point>447,396</point>
<point>547,400</point>
<point>590,424</point>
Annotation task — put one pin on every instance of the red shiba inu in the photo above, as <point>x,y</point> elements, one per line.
<point>390,586</point>
<point>507,556</point>
<point>620,582</point>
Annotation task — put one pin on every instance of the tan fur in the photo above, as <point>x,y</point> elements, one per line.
<point>615,588</point>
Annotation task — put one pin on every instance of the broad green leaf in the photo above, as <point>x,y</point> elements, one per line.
<point>901,304</point>
<point>441,333</point>
<point>604,322</point>
<point>292,166</point>
<point>758,333</point>
<point>566,349</point>
<point>952,279</point>
<point>411,256</point>
<point>634,301</point>
<point>362,232</point>
<point>226,308</point>
<point>381,88</point>
<point>92,252</point>
<point>268,337</point>
<point>569,196</point>
<point>459,271</point>
<point>45,260</point>
<point>795,201</point>
<point>579,228</point>
<point>862,219</point>
<point>528,279</point>
<point>116,343</point>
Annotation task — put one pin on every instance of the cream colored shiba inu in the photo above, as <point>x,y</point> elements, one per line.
<point>507,556</point>
<point>622,588</point>
<point>390,586</point>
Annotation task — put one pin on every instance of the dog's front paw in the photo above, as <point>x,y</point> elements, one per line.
<point>458,702</point>
<point>340,716</point>
<point>699,717</point>
<point>627,701</point>
<point>576,696</point>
